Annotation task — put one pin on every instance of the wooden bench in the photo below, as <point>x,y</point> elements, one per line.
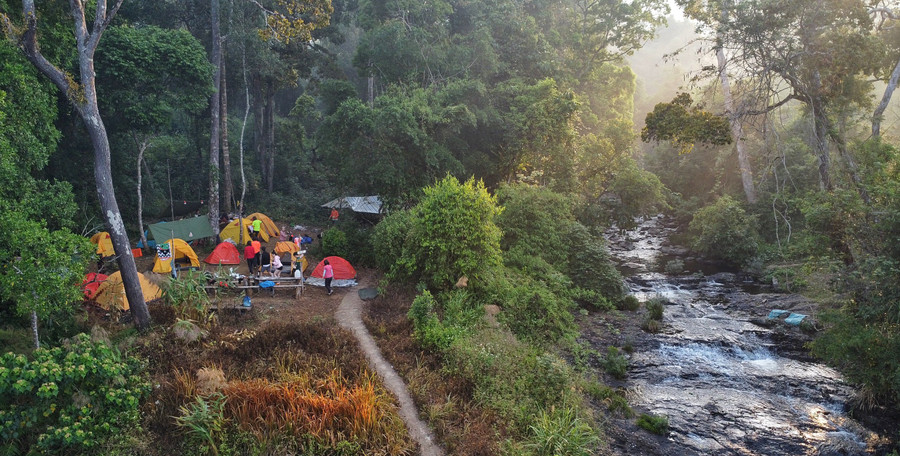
<point>281,283</point>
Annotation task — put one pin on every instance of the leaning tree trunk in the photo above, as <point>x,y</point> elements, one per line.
<point>737,130</point>
<point>214,119</point>
<point>83,97</point>
<point>885,100</point>
<point>226,153</point>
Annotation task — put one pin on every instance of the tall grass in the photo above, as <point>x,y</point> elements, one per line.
<point>326,409</point>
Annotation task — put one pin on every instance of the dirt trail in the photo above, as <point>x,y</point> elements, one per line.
<point>349,316</point>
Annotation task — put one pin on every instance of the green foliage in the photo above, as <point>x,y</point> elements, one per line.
<point>335,243</point>
<point>389,238</point>
<point>615,363</point>
<point>204,420</point>
<point>724,231</point>
<point>636,193</point>
<point>40,270</point>
<point>451,234</point>
<point>615,400</point>
<point>532,309</point>
<point>187,295</point>
<point>684,125</point>
<point>655,308</point>
<point>535,220</point>
<point>590,266</point>
<point>562,433</point>
<point>629,303</point>
<point>656,424</point>
<point>68,399</point>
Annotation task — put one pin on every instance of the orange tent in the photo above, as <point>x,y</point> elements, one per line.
<point>103,243</point>
<point>224,253</point>
<point>282,247</point>
<point>178,249</point>
<point>342,268</point>
<point>111,293</point>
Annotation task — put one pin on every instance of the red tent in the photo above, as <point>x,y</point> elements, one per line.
<point>90,284</point>
<point>342,268</point>
<point>224,253</point>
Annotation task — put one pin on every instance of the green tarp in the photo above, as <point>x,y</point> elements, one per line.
<point>186,230</point>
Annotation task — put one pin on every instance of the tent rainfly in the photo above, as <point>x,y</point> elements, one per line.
<point>360,204</point>
<point>186,229</point>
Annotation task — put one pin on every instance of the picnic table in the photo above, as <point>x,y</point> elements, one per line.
<point>281,283</point>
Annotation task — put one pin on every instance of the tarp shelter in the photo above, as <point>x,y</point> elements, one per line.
<point>359,204</point>
<point>267,224</point>
<point>282,247</point>
<point>224,253</point>
<point>103,243</point>
<point>111,293</point>
<point>186,229</point>
<point>234,228</point>
<point>342,268</point>
<point>91,283</point>
<point>178,250</point>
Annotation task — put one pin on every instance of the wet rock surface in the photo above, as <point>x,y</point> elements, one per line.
<point>730,380</point>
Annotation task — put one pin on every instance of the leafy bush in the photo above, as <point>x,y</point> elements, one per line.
<point>615,401</point>
<point>452,234</point>
<point>389,239</point>
<point>536,221</point>
<point>590,265</point>
<point>204,421</point>
<point>656,424</point>
<point>655,308</point>
<point>68,399</point>
<point>335,243</point>
<point>562,433</point>
<point>650,325</point>
<point>615,363</point>
<point>188,297</point>
<point>629,303</point>
<point>724,231</point>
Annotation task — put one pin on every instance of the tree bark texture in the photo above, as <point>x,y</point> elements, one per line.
<point>737,131</point>
<point>226,152</point>
<point>34,330</point>
<point>214,111</point>
<point>142,147</point>
<point>83,97</point>
<point>885,100</point>
<point>259,128</point>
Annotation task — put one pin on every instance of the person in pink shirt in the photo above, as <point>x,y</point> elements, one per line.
<point>328,274</point>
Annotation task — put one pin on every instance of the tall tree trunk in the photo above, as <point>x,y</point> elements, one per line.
<point>83,97</point>
<point>270,135</point>
<point>226,152</point>
<point>214,112</point>
<point>737,130</point>
<point>820,128</point>
<point>243,129</point>
<point>34,330</point>
<point>142,147</point>
<point>370,92</point>
<point>885,100</point>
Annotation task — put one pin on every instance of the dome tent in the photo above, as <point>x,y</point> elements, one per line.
<point>344,274</point>
<point>178,249</point>
<point>104,244</point>
<point>111,293</point>
<point>224,253</point>
<point>234,228</point>
<point>268,226</point>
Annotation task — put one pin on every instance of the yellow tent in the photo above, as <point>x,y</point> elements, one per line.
<point>111,293</point>
<point>268,226</point>
<point>282,247</point>
<point>104,244</point>
<point>233,230</point>
<point>178,249</point>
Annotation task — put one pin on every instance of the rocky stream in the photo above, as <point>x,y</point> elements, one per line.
<point>730,380</point>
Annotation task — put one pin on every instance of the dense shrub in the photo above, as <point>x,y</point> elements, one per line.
<point>655,308</point>
<point>451,234</point>
<point>590,266</point>
<point>656,424</point>
<point>562,433</point>
<point>535,221</point>
<point>68,399</point>
<point>724,231</point>
<point>389,239</point>
<point>615,363</point>
<point>335,243</point>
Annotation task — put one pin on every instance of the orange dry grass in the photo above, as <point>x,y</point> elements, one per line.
<point>326,409</point>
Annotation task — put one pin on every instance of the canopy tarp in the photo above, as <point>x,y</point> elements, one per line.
<point>224,253</point>
<point>361,204</point>
<point>111,293</point>
<point>104,244</point>
<point>233,230</point>
<point>186,229</point>
<point>177,250</point>
<point>267,224</point>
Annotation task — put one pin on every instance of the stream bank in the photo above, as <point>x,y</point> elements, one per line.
<point>729,380</point>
